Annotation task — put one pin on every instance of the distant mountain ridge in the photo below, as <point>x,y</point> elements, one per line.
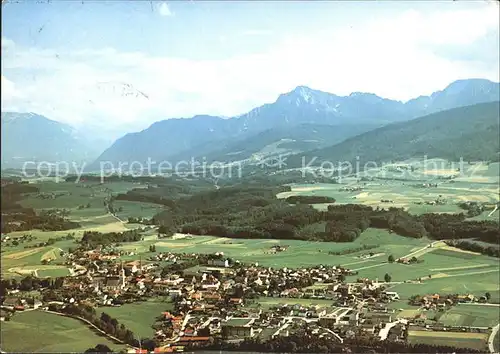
<point>170,138</point>
<point>300,120</point>
<point>33,137</point>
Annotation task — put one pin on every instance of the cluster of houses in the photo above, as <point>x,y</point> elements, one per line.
<point>426,185</point>
<point>411,260</point>
<point>222,298</point>
<point>51,195</point>
<point>351,189</point>
<point>278,248</point>
<point>442,302</point>
<point>387,201</point>
<point>438,201</point>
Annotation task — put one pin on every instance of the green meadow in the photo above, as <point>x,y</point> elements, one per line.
<point>42,332</point>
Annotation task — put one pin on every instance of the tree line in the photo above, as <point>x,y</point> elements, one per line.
<point>104,322</point>
<point>92,239</point>
<point>493,250</point>
<point>29,283</point>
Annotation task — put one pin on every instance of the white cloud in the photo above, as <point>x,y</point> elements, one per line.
<point>9,91</point>
<point>164,10</point>
<point>391,57</point>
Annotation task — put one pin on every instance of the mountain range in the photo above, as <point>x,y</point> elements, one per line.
<point>301,120</point>
<point>33,137</point>
<point>221,139</point>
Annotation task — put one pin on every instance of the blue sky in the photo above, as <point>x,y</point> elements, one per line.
<point>83,64</point>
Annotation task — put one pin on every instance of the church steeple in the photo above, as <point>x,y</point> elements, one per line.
<point>122,275</point>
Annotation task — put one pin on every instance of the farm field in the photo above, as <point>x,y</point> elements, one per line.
<point>43,332</point>
<point>22,262</point>
<point>476,341</point>
<point>434,264</point>
<point>471,315</point>
<point>403,194</point>
<point>487,282</point>
<point>84,200</point>
<point>472,182</point>
<point>138,317</point>
<point>299,254</point>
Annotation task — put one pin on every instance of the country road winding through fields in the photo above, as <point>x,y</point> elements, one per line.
<point>492,338</point>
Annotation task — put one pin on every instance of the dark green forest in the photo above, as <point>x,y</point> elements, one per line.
<point>251,211</point>
<point>451,134</point>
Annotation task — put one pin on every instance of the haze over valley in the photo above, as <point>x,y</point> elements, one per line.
<point>301,120</point>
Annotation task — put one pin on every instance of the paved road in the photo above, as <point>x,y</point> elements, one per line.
<point>482,304</point>
<point>492,337</point>
<point>431,246</point>
<point>384,332</point>
<point>496,207</point>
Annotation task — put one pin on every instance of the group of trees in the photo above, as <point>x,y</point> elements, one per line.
<point>353,250</point>
<point>309,199</point>
<point>29,220</point>
<point>92,239</point>
<point>139,220</point>
<point>99,348</point>
<point>29,283</point>
<point>472,208</point>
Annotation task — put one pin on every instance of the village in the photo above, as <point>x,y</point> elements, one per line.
<point>216,298</point>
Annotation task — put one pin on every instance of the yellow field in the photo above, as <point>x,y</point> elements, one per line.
<point>409,313</point>
<point>23,254</point>
<point>28,270</point>
<point>458,335</point>
<point>463,267</point>
<point>52,254</point>
<point>362,195</point>
<point>216,240</point>
<point>284,195</point>
<point>111,227</point>
<point>173,244</point>
<point>454,249</point>
<point>440,275</point>
<point>474,198</point>
<point>306,189</point>
<point>441,172</point>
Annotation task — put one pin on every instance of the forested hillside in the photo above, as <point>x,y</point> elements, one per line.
<point>470,132</point>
